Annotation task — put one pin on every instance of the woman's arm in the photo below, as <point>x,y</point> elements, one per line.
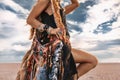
<point>69,8</point>
<point>37,9</point>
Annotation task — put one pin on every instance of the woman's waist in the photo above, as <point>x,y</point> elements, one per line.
<point>46,38</point>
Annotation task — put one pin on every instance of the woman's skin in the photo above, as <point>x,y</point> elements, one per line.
<point>86,60</point>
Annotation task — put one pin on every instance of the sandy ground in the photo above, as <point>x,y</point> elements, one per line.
<point>104,71</point>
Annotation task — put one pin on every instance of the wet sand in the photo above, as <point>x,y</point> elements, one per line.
<point>104,71</point>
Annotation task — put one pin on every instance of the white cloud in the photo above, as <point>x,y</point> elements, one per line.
<point>14,6</point>
<point>101,12</point>
<point>110,60</point>
<point>116,24</point>
<point>98,16</point>
<point>11,20</point>
<point>19,48</point>
<point>82,1</point>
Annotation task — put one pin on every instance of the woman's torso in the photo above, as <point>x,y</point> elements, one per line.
<point>49,20</point>
<point>45,18</point>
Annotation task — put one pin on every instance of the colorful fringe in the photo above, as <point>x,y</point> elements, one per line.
<point>42,62</point>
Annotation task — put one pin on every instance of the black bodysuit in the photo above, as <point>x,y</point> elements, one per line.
<point>49,20</point>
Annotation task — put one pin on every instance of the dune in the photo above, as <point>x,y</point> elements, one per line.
<point>103,71</point>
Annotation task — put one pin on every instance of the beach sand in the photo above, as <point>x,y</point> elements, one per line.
<point>103,71</point>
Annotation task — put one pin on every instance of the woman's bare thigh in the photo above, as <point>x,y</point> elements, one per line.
<point>82,56</point>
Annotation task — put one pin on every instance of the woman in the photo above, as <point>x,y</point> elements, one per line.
<point>50,39</point>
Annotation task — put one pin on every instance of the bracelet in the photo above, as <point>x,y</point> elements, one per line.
<point>49,30</point>
<point>41,27</point>
<point>46,27</point>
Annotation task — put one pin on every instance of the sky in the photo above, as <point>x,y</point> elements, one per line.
<point>94,27</point>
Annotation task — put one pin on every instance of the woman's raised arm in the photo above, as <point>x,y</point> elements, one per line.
<point>35,12</point>
<point>69,8</point>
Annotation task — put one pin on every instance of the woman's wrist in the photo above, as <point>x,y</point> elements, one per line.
<point>41,27</point>
<point>49,30</point>
<point>45,27</point>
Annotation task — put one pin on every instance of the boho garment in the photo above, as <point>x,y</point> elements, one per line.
<point>48,58</point>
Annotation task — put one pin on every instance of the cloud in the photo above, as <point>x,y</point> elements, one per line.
<point>105,45</point>
<point>6,32</point>
<point>10,55</point>
<point>27,4</point>
<point>111,60</point>
<point>13,31</point>
<point>13,7</point>
<point>101,22</point>
<point>98,17</point>
<point>100,30</point>
<point>72,25</point>
<point>80,13</point>
<point>21,43</point>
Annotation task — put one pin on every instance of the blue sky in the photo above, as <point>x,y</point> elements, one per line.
<point>94,27</point>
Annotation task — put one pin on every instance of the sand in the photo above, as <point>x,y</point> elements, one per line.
<point>104,71</point>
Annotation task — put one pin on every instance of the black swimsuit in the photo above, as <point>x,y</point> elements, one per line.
<point>48,19</point>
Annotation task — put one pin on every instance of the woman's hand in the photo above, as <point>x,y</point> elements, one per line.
<point>56,31</point>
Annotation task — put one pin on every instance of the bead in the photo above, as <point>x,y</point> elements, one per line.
<point>41,53</point>
<point>46,27</point>
<point>41,40</point>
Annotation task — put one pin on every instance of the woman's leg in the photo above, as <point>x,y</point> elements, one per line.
<point>87,61</point>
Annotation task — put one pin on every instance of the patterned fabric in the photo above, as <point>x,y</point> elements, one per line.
<point>45,62</point>
<point>52,54</point>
